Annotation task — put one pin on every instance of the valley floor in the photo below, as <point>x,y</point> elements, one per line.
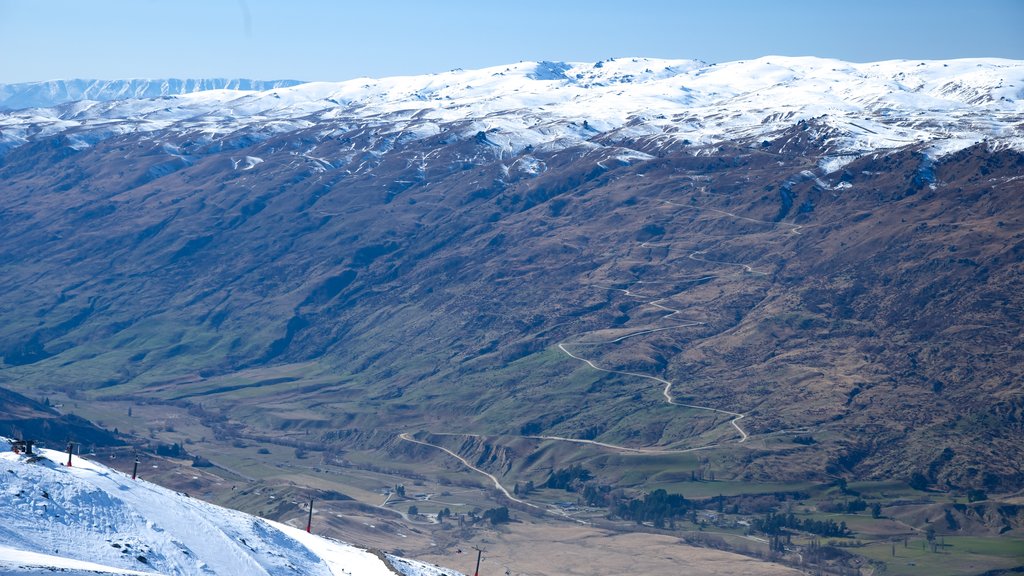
<point>532,548</point>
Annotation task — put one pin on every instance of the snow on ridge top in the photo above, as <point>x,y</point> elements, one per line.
<point>560,81</point>
<point>95,514</point>
<point>544,103</point>
<point>54,92</point>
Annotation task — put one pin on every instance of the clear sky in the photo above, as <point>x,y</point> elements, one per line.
<point>342,39</point>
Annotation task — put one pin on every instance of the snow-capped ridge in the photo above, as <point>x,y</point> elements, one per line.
<point>56,517</point>
<point>872,106</point>
<point>54,92</point>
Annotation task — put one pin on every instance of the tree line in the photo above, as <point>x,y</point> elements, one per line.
<point>774,524</point>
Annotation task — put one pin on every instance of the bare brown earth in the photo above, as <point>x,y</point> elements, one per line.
<point>534,549</point>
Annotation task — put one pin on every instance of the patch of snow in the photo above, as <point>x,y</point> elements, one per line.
<point>832,164</point>
<point>247,163</point>
<point>54,517</point>
<point>630,156</point>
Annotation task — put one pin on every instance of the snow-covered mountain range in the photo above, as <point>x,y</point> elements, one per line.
<point>637,101</point>
<point>53,92</point>
<point>90,519</point>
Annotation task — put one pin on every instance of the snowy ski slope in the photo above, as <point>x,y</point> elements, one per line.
<point>91,519</point>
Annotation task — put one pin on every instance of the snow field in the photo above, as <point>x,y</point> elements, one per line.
<point>58,517</point>
<point>875,105</point>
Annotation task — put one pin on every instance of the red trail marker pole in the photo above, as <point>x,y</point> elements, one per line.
<point>309,522</point>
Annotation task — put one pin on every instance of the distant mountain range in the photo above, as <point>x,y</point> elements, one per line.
<point>635,252</point>
<point>866,107</point>
<point>54,92</point>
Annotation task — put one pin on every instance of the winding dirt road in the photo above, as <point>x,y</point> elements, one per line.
<point>666,392</point>
<point>408,438</point>
<point>735,417</point>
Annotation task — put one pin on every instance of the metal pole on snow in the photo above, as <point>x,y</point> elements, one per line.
<point>309,522</point>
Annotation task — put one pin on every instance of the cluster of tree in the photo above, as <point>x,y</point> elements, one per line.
<point>172,451</point>
<point>918,481</point>
<point>844,487</point>
<point>596,495</point>
<point>753,503</point>
<point>497,515</point>
<point>774,524</point>
<point>951,522</point>
<point>697,475</point>
<point>568,479</point>
<point>200,462</point>
<point>805,440</point>
<point>525,490</point>
<point>657,507</point>
<point>592,432</point>
<point>846,507</point>
<point>660,507</point>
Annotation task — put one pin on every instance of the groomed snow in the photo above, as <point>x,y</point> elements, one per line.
<point>14,561</point>
<point>56,517</point>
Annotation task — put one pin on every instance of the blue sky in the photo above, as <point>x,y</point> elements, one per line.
<point>338,40</point>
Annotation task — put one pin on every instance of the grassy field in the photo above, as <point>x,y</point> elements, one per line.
<point>960,555</point>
